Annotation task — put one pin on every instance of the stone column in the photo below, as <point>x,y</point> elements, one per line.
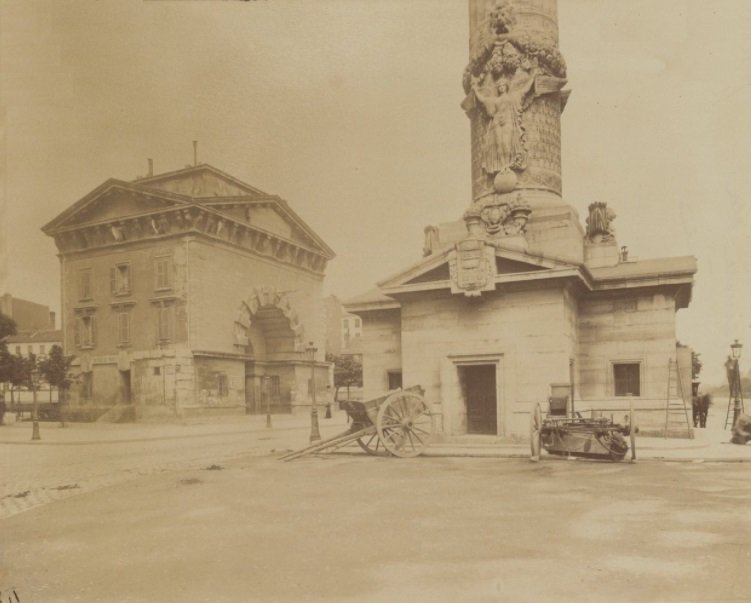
<point>516,133</point>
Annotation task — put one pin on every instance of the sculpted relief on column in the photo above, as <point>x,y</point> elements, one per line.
<point>509,68</point>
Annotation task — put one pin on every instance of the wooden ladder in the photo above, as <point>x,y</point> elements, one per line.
<point>736,391</point>
<point>676,412</point>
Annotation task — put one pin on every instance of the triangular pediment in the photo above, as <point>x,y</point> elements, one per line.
<point>113,200</point>
<point>201,181</point>
<point>435,271</point>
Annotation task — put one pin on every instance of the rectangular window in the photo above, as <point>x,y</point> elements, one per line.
<point>84,284</point>
<point>120,280</point>
<point>42,350</point>
<point>29,349</point>
<point>162,273</point>
<point>626,379</point>
<point>123,327</point>
<point>18,350</point>
<point>85,332</point>
<point>395,380</point>
<point>164,323</point>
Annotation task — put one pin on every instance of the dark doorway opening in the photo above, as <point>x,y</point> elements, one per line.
<point>262,393</point>
<point>479,388</point>
<point>125,390</point>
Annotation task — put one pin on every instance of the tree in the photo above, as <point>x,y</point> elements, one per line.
<point>56,371</point>
<point>19,372</point>
<point>347,372</point>
<point>695,365</point>
<point>7,327</point>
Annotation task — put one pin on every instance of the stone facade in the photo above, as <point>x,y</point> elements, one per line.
<point>182,291</point>
<point>519,301</point>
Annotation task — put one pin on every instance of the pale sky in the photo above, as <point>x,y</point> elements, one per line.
<point>349,109</point>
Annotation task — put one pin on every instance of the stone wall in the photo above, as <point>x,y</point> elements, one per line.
<point>221,278</point>
<point>139,303</point>
<point>382,351</point>
<point>630,327</point>
<point>526,333</point>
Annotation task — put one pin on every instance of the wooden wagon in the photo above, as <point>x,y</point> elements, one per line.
<point>572,435</point>
<point>398,423</point>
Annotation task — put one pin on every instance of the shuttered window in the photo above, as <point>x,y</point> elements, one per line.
<point>164,323</point>
<point>84,284</point>
<point>123,327</point>
<point>120,280</point>
<point>162,273</point>
<point>85,332</point>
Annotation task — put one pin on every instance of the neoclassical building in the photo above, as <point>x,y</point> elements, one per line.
<point>181,291</point>
<point>519,300</point>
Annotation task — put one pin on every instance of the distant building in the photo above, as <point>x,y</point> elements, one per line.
<point>28,315</point>
<point>38,343</point>
<point>343,330</point>
<point>182,291</point>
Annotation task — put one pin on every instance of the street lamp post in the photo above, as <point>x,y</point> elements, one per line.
<point>267,391</point>
<point>735,350</point>
<point>35,408</point>
<point>310,353</point>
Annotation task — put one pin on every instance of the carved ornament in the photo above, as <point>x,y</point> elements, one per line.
<point>472,267</point>
<point>501,216</point>
<point>508,69</point>
<point>599,223</point>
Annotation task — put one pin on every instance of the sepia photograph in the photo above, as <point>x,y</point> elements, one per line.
<point>375,301</point>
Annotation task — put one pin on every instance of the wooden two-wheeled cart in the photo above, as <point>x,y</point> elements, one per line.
<point>398,423</point>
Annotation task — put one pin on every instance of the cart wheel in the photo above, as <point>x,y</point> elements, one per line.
<point>632,432</point>
<point>404,424</point>
<point>535,433</point>
<point>372,444</point>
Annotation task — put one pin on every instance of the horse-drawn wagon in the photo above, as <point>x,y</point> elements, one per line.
<point>398,423</point>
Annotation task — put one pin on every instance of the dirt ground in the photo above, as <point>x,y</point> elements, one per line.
<point>356,528</point>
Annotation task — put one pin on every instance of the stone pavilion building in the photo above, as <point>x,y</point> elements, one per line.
<point>181,291</point>
<point>518,301</point>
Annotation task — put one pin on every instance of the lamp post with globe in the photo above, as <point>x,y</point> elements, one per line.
<point>34,378</point>
<point>735,388</point>
<point>310,355</point>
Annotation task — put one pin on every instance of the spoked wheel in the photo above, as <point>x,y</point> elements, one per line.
<point>632,432</point>
<point>372,444</point>
<point>404,424</point>
<point>535,433</point>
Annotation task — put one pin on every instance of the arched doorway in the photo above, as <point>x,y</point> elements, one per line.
<point>268,332</point>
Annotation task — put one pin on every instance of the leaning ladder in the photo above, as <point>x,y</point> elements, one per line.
<point>735,388</point>
<point>676,412</point>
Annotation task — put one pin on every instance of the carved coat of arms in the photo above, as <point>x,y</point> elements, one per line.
<point>472,267</point>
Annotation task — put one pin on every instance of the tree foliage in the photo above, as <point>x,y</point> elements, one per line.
<point>7,327</point>
<point>56,368</point>
<point>347,371</point>
<point>695,365</point>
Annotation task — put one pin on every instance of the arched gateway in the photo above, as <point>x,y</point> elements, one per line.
<point>267,330</point>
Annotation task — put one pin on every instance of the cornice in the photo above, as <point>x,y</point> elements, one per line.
<point>194,220</point>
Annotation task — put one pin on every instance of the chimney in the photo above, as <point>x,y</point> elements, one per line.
<point>52,320</point>
<point>151,167</point>
<point>195,152</point>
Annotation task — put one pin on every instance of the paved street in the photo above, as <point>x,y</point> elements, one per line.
<point>84,457</point>
<point>356,528</point>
